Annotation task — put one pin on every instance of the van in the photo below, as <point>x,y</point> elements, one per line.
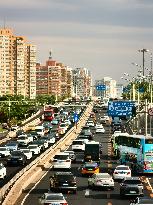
<point>40,130</point>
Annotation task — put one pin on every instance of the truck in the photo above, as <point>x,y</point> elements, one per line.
<point>48,113</point>
<point>92,152</point>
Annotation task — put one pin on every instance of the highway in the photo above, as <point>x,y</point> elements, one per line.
<point>84,195</point>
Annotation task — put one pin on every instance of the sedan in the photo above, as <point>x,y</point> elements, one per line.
<point>101,180</point>
<point>55,122</point>
<point>89,168</point>
<point>121,172</point>
<point>27,152</point>
<point>17,157</point>
<point>100,130</point>
<point>35,149</point>
<point>52,198</point>
<point>4,152</point>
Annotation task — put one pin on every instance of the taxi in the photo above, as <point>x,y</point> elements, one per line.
<point>90,168</point>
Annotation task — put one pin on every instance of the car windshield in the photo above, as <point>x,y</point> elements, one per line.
<point>22,138</point>
<point>90,165</point>
<point>38,130</point>
<point>122,168</point>
<point>16,153</point>
<point>64,177</point>
<point>33,133</point>
<point>26,151</point>
<point>61,157</point>
<point>11,144</point>
<point>32,146</point>
<point>54,197</point>
<point>102,176</point>
<point>77,142</point>
<point>2,149</point>
<point>132,182</point>
<point>63,125</point>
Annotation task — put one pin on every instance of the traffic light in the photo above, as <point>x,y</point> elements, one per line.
<point>134,113</point>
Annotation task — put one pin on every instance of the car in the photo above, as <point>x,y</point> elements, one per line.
<point>23,140</point>
<point>68,122</point>
<point>27,152</point>
<point>89,168</point>
<point>78,145</point>
<point>50,138</point>
<point>4,152</point>
<point>12,145</point>
<point>2,171</point>
<point>14,127</point>
<point>90,123</point>
<point>121,172</point>
<point>63,181</point>
<point>100,130</point>
<point>131,186</point>
<point>55,122</point>
<point>17,157</point>
<point>61,161</point>
<point>72,155</point>
<point>52,198</point>
<point>142,201</point>
<point>35,149</point>
<point>40,143</point>
<point>34,134</point>
<point>84,138</point>
<point>40,130</point>
<point>98,180</point>
<point>89,134</point>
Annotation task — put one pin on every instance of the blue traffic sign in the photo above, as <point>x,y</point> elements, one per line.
<point>101,87</point>
<point>120,108</point>
<point>76,117</point>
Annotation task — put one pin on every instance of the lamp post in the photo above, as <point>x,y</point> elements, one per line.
<point>144,50</point>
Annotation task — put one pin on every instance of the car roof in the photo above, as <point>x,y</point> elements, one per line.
<point>51,193</point>
<point>62,153</point>
<point>63,173</point>
<point>122,166</point>
<point>132,178</point>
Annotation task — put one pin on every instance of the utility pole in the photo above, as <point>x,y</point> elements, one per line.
<point>146,115</point>
<point>143,59</point>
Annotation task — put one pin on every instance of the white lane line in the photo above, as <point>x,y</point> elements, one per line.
<point>87,192</point>
<point>35,186</point>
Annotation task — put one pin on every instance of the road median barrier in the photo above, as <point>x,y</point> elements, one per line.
<point>13,189</point>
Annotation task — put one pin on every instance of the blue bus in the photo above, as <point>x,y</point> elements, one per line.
<point>135,149</point>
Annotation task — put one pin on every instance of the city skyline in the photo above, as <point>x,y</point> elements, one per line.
<point>103,36</point>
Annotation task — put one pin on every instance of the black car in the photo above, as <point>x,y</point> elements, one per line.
<point>17,157</point>
<point>63,181</point>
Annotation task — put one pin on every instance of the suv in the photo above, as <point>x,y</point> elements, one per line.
<point>78,145</point>
<point>17,157</point>
<point>131,186</point>
<point>62,161</point>
<point>63,181</point>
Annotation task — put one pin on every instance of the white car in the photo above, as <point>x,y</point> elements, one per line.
<point>90,123</point>
<point>100,130</point>
<point>23,140</point>
<point>121,172</point>
<point>14,127</point>
<point>78,145</point>
<point>2,171</point>
<point>101,180</point>
<point>52,199</point>
<point>98,126</point>
<point>68,122</point>
<point>35,149</point>
<point>62,161</point>
<point>27,153</point>
<point>4,152</point>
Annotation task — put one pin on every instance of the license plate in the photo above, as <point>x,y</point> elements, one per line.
<point>106,184</point>
<point>132,192</point>
<point>90,169</point>
<point>53,204</point>
<point>65,184</point>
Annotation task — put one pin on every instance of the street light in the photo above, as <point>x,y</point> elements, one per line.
<point>143,51</point>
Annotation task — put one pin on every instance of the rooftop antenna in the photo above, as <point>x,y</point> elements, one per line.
<point>50,54</point>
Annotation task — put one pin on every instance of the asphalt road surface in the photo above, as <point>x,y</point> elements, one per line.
<point>84,195</point>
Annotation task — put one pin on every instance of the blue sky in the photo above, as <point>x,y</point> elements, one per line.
<point>101,35</point>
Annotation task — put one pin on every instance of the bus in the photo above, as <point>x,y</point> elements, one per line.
<point>92,152</point>
<point>136,150</point>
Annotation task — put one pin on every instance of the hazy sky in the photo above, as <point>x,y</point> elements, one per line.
<point>101,35</point>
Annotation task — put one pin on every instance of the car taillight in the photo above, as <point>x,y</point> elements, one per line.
<point>84,168</point>
<point>115,172</point>
<point>64,203</point>
<point>128,173</point>
<point>68,160</point>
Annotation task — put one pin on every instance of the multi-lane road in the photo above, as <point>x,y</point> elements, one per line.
<point>84,195</point>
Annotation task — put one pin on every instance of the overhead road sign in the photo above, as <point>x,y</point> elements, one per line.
<point>76,117</point>
<point>100,87</point>
<point>120,108</point>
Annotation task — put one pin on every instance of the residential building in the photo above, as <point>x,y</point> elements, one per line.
<point>81,82</point>
<point>54,79</point>
<point>17,65</point>
<point>119,91</point>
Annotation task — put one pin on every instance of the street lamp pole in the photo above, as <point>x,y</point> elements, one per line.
<point>143,58</point>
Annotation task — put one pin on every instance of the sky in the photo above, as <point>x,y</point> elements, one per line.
<point>103,36</point>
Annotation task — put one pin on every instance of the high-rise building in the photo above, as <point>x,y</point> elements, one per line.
<point>81,82</point>
<point>17,65</point>
<point>110,91</point>
<point>54,79</point>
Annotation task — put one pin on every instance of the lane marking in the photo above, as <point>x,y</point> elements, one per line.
<point>87,192</point>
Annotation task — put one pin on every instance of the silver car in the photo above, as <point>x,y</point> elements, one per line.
<point>101,180</point>
<point>142,201</point>
<point>131,186</point>
<point>52,198</point>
